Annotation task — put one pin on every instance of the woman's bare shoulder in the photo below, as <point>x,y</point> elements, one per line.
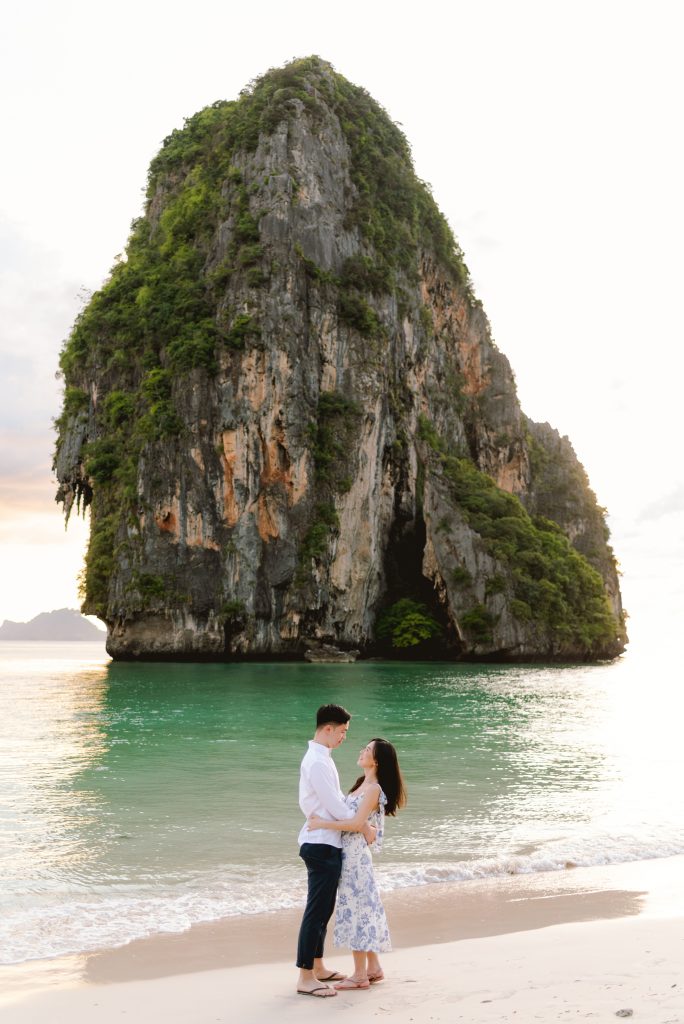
<point>367,789</point>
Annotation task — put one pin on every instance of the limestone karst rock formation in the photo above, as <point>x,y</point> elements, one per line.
<point>290,423</point>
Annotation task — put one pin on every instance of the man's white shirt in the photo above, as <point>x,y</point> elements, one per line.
<point>320,793</point>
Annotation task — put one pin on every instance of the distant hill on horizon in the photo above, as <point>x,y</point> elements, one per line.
<point>61,624</point>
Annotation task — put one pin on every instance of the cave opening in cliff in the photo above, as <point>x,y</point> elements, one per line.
<point>403,566</point>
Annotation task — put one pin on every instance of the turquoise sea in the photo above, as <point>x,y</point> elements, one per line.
<point>137,799</point>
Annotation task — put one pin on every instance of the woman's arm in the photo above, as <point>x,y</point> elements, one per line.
<point>355,824</point>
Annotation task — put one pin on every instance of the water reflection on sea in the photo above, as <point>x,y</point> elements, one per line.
<point>143,798</point>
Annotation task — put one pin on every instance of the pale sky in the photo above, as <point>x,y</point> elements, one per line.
<point>551,135</point>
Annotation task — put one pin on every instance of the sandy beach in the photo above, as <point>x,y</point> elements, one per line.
<point>583,943</point>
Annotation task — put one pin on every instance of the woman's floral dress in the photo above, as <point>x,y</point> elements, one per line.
<point>360,921</point>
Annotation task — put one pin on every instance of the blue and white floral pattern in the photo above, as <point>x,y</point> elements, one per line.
<point>360,921</point>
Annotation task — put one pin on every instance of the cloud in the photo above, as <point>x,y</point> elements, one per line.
<point>37,306</point>
<point>24,496</point>
<point>40,566</point>
<point>38,524</point>
<point>473,231</point>
<point>26,452</point>
<point>664,506</point>
<point>27,484</point>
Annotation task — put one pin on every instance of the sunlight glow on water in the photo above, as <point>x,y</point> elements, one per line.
<point>141,798</point>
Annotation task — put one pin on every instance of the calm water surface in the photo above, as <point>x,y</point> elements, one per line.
<point>143,798</point>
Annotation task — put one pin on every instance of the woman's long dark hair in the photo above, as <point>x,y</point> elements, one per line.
<point>389,775</point>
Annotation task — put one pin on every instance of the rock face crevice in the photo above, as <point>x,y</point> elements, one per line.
<point>285,411</point>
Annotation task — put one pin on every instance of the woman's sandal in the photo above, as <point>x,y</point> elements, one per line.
<point>378,976</point>
<point>342,986</point>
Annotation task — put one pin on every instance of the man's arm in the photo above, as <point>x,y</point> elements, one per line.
<point>323,781</point>
<point>356,823</point>
<point>327,791</point>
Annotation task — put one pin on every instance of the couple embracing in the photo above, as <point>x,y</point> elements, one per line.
<point>335,845</point>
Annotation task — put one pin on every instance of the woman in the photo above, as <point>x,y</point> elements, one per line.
<point>360,921</point>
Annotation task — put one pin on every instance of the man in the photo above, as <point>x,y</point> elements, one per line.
<point>321,849</point>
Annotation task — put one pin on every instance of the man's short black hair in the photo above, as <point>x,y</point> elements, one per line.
<point>331,714</point>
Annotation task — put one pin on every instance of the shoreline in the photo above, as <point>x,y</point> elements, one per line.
<point>500,658</point>
<point>428,923</point>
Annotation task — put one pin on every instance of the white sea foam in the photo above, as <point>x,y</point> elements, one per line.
<point>65,925</point>
<point>62,925</point>
<point>142,802</point>
<point>554,856</point>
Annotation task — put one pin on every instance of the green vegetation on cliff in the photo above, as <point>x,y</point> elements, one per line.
<point>393,209</point>
<point>162,313</point>
<point>239,418</point>
<point>160,304</point>
<point>332,435</point>
<point>551,584</point>
<point>407,623</point>
<point>561,492</point>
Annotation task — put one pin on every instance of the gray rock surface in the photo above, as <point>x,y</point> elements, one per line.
<point>223,514</point>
